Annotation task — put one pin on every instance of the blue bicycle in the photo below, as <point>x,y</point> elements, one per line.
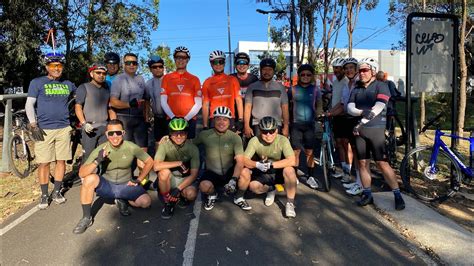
<point>436,172</point>
<point>326,158</point>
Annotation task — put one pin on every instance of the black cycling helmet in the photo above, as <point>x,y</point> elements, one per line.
<point>155,59</point>
<point>268,123</point>
<point>304,67</point>
<point>111,58</point>
<point>241,56</point>
<point>268,62</point>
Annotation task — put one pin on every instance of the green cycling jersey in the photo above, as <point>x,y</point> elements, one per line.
<point>273,152</point>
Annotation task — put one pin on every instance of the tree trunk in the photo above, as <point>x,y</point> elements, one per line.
<point>349,26</point>
<point>90,30</point>
<point>64,24</point>
<point>311,29</point>
<point>463,68</point>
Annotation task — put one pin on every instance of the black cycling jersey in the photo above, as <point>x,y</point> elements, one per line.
<point>244,83</point>
<point>365,99</point>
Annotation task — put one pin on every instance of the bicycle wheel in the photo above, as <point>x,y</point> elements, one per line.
<point>426,182</point>
<point>391,144</point>
<point>324,163</point>
<point>19,157</point>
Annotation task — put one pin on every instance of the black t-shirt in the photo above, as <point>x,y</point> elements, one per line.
<point>365,99</point>
<point>244,83</point>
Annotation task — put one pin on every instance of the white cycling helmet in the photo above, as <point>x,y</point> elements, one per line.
<point>374,65</point>
<point>216,54</point>
<point>350,60</point>
<point>182,49</point>
<point>338,62</point>
<point>222,111</point>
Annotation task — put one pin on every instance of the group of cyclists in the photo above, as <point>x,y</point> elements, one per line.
<point>253,131</point>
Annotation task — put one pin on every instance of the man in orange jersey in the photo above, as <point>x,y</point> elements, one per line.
<point>221,90</point>
<point>181,94</point>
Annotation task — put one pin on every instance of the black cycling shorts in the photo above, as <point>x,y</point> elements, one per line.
<point>371,140</point>
<point>342,126</point>
<point>109,190</point>
<point>216,179</point>
<point>302,135</point>
<point>136,129</point>
<point>270,178</point>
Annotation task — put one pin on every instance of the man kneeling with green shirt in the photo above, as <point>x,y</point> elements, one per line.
<point>115,158</point>
<point>264,164</point>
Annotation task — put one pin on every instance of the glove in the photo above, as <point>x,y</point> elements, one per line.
<point>174,194</point>
<point>356,129</point>
<point>100,157</point>
<point>230,187</point>
<point>368,114</point>
<point>87,127</point>
<point>239,125</point>
<point>36,132</point>
<point>263,166</point>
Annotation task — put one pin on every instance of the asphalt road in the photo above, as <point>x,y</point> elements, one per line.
<point>329,229</point>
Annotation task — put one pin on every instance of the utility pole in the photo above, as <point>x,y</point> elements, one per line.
<point>228,38</point>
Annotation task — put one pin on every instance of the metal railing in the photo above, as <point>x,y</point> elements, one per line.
<point>7,127</point>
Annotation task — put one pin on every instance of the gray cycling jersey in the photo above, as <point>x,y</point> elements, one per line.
<point>266,101</point>
<point>95,103</point>
<point>153,87</point>
<point>126,88</point>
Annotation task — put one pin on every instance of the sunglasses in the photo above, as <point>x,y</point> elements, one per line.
<point>57,66</point>
<point>131,63</point>
<point>242,63</point>
<point>116,132</point>
<point>100,73</point>
<point>306,75</point>
<point>266,132</point>
<point>218,62</point>
<point>364,70</point>
<point>180,57</point>
<point>179,133</point>
<point>156,67</point>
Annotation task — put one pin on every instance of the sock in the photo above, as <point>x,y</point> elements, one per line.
<point>349,167</point>
<point>240,194</point>
<point>396,193</point>
<point>290,200</point>
<point>367,192</point>
<point>86,210</point>
<point>165,196</point>
<point>44,189</point>
<point>57,185</point>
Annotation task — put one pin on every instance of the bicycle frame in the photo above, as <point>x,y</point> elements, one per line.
<point>439,143</point>
<point>327,139</point>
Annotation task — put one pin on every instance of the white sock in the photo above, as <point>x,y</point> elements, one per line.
<point>349,167</point>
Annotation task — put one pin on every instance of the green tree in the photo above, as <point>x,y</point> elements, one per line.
<point>281,65</point>
<point>164,52</point>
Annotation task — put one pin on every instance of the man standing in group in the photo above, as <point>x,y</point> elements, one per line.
<point>48,113</point>
<point>221,90</point>
<point>112,61</point>
<point>153,86</point>
<point>241,62</point>
<point>116,157</point>
<point>92,109</point>
<point>127,97</point>
<point>266,97</point>
<point>181,94</point>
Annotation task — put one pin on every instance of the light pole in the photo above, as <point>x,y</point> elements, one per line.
<point>228,38</point>
<point>292,17</point>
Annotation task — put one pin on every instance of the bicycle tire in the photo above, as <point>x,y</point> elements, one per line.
<point>440,185</point>
<point>324,163</point>
<point>17,158</point>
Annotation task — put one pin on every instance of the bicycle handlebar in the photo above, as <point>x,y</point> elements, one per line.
<point>430,123</point>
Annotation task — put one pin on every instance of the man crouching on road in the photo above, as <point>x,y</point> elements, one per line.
<point>177,166</point>
<point>271,169</point>
<point>115,158</point>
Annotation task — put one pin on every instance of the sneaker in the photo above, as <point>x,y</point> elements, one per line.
<point>183,203</point>
<point>44,202</point>
<point>312,183</point>
<point>399,203</point>
<point>58,197</point>
<point>349,185</point>
<point>270,198</point>
<point>83,224</point>
<point>290,210</point>
<point>299,172</point>
<point>365,200</point>
<point>230,188</point>
<point>354,190</point>
<point>337,174</point>
<point>122,205</point>
<point>346,178</point>
<point>167,211</point>
<point>211,202</point>
<point>243,204</point>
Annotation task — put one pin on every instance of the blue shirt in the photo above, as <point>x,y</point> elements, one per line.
<point>52,98</point>
<point>109,79</point>
<point>304,103</point>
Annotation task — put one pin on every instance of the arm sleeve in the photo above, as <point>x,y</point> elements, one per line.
<point>196,107</point>
<point>352,110</point>
<point>164,105</point>
<point>30,109</point>
<point>377,109</point>
<point>81,95</point>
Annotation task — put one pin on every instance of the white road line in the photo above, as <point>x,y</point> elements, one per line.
<point>25,216</point>
<point>188,254</point>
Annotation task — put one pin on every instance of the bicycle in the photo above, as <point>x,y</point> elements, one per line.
<point>435,172</point>
<point>19,151</point>
<point>326,158</point>
<point>393,137</point>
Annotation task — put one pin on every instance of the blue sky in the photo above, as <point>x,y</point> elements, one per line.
<point>201,25</point>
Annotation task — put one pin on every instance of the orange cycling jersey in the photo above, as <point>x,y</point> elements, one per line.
<point>181,90</point>
<point>221,90</point>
